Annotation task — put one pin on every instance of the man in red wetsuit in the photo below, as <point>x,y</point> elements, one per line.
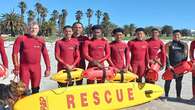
<point>3,53</point>
<point>192,47</point>
<point>156,48</point>
<point>30,47</point>
<point>67,52</point>
<point>139,53</point>
<point>119,51</point>
<point>96,50</point>
<point>77,33</point>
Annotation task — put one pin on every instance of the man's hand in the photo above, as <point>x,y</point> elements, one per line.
<point>16,70</point>
<point>130,68</point>
<point>47,73</point>
<point>98,64</point>
<point>69,67</point>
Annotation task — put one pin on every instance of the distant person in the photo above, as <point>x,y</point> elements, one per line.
<point>139,53</point>
<point>192,47</point>
<point>67,53</point>
<point>156,49</point>
<point>119,51</point>
<point>96,50</point>
<point>176,52</point>
<point>27,63</point>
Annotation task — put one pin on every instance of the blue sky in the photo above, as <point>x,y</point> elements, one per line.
<point>178,13</point>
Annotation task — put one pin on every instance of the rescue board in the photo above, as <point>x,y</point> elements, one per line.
<point>107,96</point>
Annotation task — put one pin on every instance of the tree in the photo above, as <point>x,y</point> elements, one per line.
<point>126,29</point>
<point>98,15</point>
<point>47,28</point>
<point>31,16</point>
<point>148,30</point>
<point>12,23</point>
<point>79,15</point>
<point>60,24</point>
<point>64,15</point>
<point>167,30</point>
<point>22,6</point>
<point>54,16</point>
<point>132,28</point>
<point>186,32</point>
<point>89,15</point>
<point>43,14</point>
<point>107,25</point>
<point>38,7</point>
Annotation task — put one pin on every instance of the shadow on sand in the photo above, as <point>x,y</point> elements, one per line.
<point>178,100</point>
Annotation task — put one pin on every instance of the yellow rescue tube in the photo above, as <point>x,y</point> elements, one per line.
<point>107,96</point>
<point>61,76</point>
<point>128,76</point>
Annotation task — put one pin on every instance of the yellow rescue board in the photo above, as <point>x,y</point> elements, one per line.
<point>106,96</point>
<point>61,76</point>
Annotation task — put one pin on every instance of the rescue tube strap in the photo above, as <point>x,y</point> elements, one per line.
<point>104,75</point>
<point>69,76</point>
<point>122,76</point>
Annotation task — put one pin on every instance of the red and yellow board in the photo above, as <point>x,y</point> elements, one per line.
<point>107,96</point>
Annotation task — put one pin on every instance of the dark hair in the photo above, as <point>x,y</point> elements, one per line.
<point>94,27</point>
<point>117,30</point>
<point>155,29</point>
<point>176,31</point>
<point>77,23</point>
<point>140,29</point>
<point>67,26</point>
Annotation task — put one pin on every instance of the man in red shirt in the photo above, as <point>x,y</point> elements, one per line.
<point>30,47</point>
<point>3,53</point>
<point>119,51</point>
<point>192,47</point>
<point>139,53</point>
<point>67,53</point>
<point>77,28</point>
<point>156,48</point>
<point>96,50</point>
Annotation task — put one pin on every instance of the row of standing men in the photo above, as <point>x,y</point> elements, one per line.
<point>73,49</point>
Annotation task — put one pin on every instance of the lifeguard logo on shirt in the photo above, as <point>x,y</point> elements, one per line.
<point>143,46</point>
<point>71,47</point>
<point>37,46</point>
<point>100,47</point>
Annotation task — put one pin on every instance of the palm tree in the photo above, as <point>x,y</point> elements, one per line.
<point>89,15</point>
<point>12,23</point>
<point>43,14</point>
<point>54,16</point>
<point>22,6</point>
<point>98,14</point>
<point>31,16</point>
<point>64,15</point>
<point>59,24</point>
<point>79,15</point>
<point>38,7</point>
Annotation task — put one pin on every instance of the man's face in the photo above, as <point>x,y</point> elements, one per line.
<point>177,36</point>
<point>68,32</point>
<point>33,30</point>
<point>140,35</point>
<point>97,33</point>
<point>155,34</point>
<point>78,29</point>
<point>118,36</point>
